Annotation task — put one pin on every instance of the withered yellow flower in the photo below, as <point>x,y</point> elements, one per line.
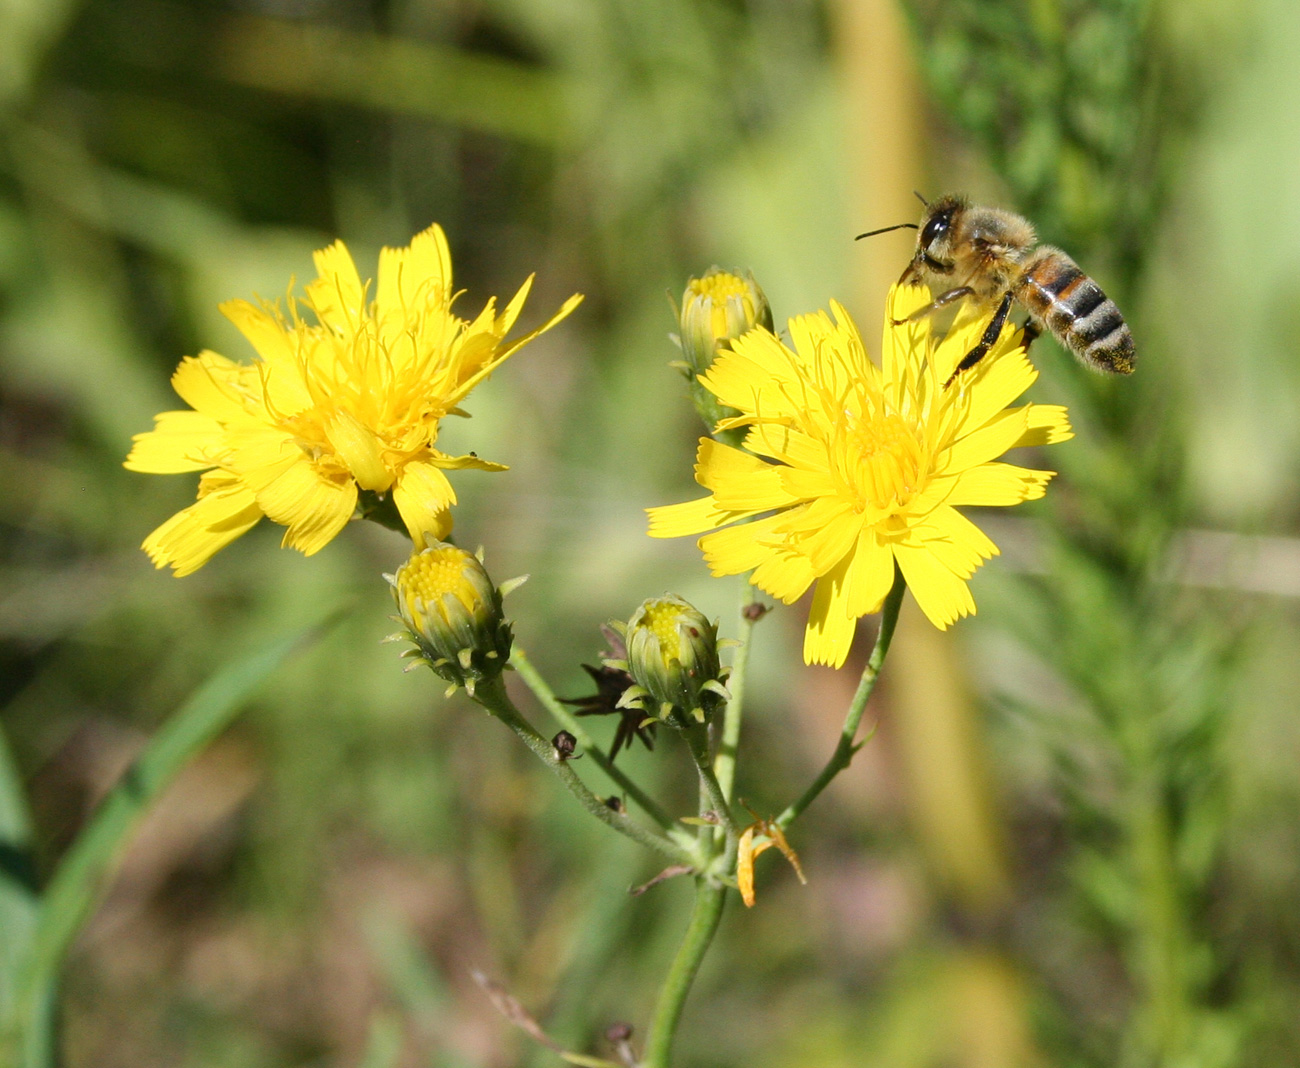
<point>855,468</point>
<point>349,401</point>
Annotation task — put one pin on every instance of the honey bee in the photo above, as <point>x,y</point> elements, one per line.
<point>993,257</point>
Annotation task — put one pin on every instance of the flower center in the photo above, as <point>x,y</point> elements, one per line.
<point>718,291</point>
<point>662,619</point>
<point>431,575</point>
<point>884,461</point>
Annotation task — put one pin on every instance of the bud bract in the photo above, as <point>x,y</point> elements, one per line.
<point>672,655</point>
<point>453,614</point>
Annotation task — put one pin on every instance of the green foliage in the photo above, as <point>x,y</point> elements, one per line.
<point>364,844</point>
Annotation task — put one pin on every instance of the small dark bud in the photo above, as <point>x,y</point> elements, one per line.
<point>754,612</point>
<point>618,1032</point>
<point>565,745</point>
<point>614,803</point>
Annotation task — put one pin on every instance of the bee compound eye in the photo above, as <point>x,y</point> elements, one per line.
<point>934,229</point>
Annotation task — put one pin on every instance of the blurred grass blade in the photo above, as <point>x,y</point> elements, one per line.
<point>480,92</point>
<point>18,889</point>
<point>76,883</point>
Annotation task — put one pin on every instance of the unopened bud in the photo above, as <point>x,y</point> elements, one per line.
<point>717,307</point>
<point>453,614</point>
<point>672,656</point>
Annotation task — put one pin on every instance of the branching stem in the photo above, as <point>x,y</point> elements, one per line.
<point>492,696</point>
<point>846,747</point>
<point>542,691</point>
<point>725,763</point>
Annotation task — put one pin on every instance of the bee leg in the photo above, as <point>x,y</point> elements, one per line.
<point>986,342</point>
<point>1031,332</point>
<point>942,300</point>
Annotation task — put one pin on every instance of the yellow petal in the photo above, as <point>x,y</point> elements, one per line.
<point>742,547</point>
<point>179,441</point>
<point>507,318</point>
<point>412,277</point>
<point>360,449</point>
<point>785,575</point>
<point>941,595</point>
<point>995,484</point>
<point>803,484</point>
<point>739,481</point>
<point>337,296</point>
<point>423,496</point>
<point>1046,424</point>
<point>312,507</point>
<point>829,634</point>
<point>788,445</point>
<point>504,354</point>
<point>825,531</point>
<point>189,539</point>
<point>870,576</point>
<point>953,539</point>
<point>263,328</point>
<point>988,443</point>
<point>690,517</point>
<point>210,383</point>
<point>899,365</point>
<point>754,376</point>
<point>468,462</point>
<point>997,380</point>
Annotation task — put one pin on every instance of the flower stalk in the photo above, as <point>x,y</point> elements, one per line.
<point>705,917</point>
<point>491,694</point>
<point>847,746</point>
<point>533,679</point>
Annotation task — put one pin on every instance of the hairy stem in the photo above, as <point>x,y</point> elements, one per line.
<point>542,691</point>
<point>697,740</point>
<point>846,747</point>
<point>705,916</point>
<point>492,696</point>
<point>725,763</point>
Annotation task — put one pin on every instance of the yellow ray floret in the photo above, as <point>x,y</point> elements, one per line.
<point>850,469</point>
<point>348,401</point>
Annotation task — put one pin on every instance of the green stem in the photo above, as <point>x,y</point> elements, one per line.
<point>846,747</point>
<point>492,696</point>
<point>705,917</point>
<point>543,692</point>
<point>697,740</point>
<point>725,763</point>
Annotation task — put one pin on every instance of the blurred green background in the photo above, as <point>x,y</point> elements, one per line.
<point>1073,841</point>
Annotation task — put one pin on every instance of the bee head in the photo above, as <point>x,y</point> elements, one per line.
<point>933,239</point>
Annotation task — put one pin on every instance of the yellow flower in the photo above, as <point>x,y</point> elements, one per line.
<point>862,466</point>
<point>346,403</point>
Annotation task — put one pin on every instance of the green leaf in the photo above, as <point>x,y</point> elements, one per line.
<point>84,870</point>
<point>18,889</point>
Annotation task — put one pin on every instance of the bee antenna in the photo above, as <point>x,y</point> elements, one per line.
<point>885,230</point>
<point>921,198</point>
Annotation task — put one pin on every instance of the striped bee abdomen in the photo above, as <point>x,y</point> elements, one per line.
<point>1073,307</point>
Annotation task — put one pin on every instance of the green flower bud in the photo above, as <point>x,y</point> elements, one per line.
<point>717,307</point>
<point>453,614</point>
<point>672,656</point>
